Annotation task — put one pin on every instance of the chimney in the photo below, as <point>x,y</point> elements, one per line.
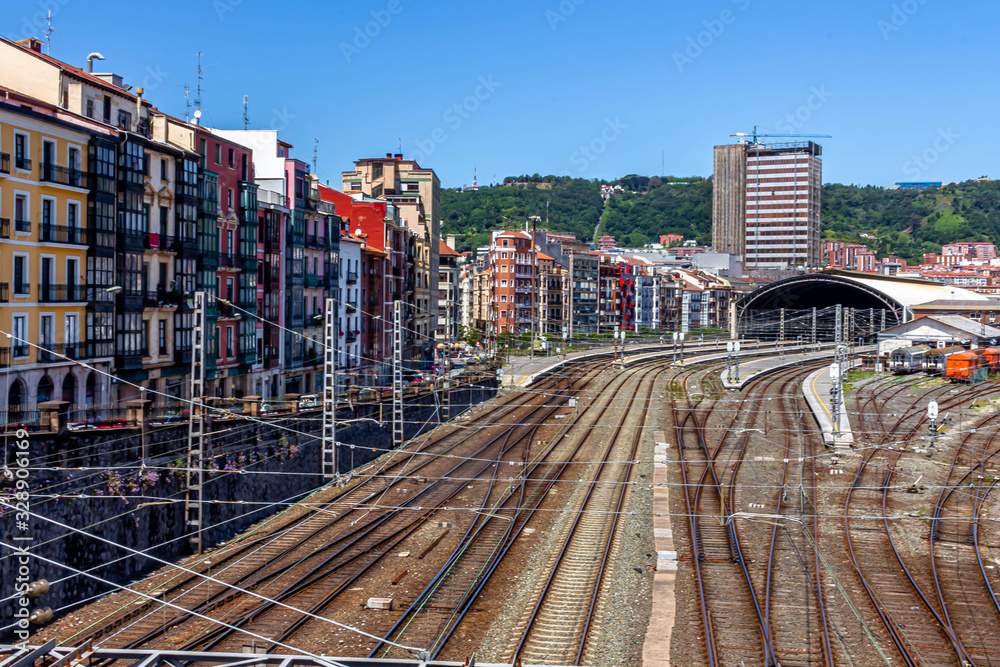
<point>32,43</point>
<point>399,156</point>
<point>388,156</point>
<point>451,240</point>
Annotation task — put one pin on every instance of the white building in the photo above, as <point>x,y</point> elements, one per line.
<point>348,312</point>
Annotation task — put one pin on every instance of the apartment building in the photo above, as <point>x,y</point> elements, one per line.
<point>416,193</point>
<point>448,296</point>
<point>766,204</point>
<point>44,190</point>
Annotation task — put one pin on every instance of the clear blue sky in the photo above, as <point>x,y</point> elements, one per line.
<point>535,82</point>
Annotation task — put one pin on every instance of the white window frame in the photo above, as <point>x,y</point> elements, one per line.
<point>41,209</point>
<point>71,335</point>
<point>79,149</point>
<point>55,269</point>
<point>27,272</point>
<point>27,209</point>
<point>79,208</point>
<point>13,146</point>
<point>24,317</point>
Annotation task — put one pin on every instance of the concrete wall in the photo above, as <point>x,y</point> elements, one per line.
<point>145,509</point>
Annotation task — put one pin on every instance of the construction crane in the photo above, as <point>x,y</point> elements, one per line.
<point>755,134</point>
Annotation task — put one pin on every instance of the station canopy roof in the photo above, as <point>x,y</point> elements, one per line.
<point>853,289</point>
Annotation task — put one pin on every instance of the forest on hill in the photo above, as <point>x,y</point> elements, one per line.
<point>906,223</point>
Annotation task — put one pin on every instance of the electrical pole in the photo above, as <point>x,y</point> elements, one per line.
<point>196,428</point>
<point>781,332</point>
<point>331,462</point>
<point>814,328</point>
<point>397,374</point>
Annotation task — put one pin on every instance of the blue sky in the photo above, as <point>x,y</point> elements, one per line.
<point>589,88</point>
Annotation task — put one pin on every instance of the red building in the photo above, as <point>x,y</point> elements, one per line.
<point>232,276</point>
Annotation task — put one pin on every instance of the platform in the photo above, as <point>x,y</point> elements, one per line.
<point>816,389</point>
<point>752,369</point>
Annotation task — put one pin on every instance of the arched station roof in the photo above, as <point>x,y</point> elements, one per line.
<point>853,290</point>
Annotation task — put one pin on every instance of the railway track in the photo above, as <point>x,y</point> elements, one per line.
<point>920,631</point>
<point>438,610</point>
<point>256,560</point>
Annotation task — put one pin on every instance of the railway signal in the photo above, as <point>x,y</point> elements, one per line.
<point>932,415</point>
<point>836,394</point>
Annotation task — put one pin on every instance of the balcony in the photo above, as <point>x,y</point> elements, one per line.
<point>55,174</point>
<point>227,261</point>
<point>61,293</point>
<point>351,307</point>
<point>4,163</point>
<point>270,197</point>
<point>352,277</point>
<point>248,358</point>
<point>53,353</point>
<point>24,289</point>
<point>247,262</point>
<point>351,336</point>
<point>60,234</point>
<point>22,163</point>
<point>132,360</point>
<point>180,244</point>
<point>22,225</point>
<point>182,356</point>
<point>161,298</point>
<point>312,280</point>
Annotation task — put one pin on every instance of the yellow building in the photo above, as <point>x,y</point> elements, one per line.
<point>43,256</point>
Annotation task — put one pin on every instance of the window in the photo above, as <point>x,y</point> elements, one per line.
<point>218,153</point>
<point>107,109</point>
<point>72,214</point>
<point>162,334</point>
<point>229,342</point>
<point>229,242</point>
<point>74,160</point>
<point>145,218</point>
<point>377,170</point>
<point>164,217</point>
<point>503,283</point>
<point>21,160</point>
<point>163,169</point>
<point>125,120</point>
<point>47,206</point>
<point>90,108</point>
<point>20,335</point>
<point>505,243</point>
<point>21,275</point>
<point>46,330</point>
<point>232,159</point>
<point>377,191</point>
<point>229,198</point>
<point>503,298</point>
<point>503,255</point>
<point>145,337</point>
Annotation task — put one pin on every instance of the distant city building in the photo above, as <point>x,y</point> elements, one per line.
<point>918,185</point>
<point>973,251</point>
<point>766,204</point>
<point>667,240</point>
<point>606,242</point>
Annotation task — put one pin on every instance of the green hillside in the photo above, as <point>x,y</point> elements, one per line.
<point>906,223</point>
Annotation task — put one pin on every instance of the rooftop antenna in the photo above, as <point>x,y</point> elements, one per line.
<point>315,153</point>
<point>48,34</point>
<point>197,99</point>
<point>246,118</point>
<point>401,145</point>
<point>187,103</point>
